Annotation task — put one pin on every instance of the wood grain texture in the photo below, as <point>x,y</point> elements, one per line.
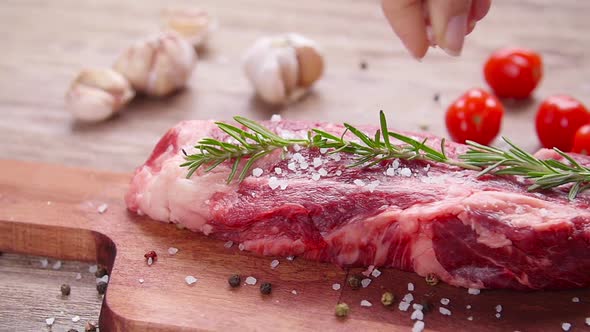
<point>72,228</point>
<point>45,43</point>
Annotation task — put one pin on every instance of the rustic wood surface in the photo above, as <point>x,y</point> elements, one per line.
<point>71,227</point>
<point>46,43</point>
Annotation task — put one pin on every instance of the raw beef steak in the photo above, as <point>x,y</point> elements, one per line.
<point>412,215</point>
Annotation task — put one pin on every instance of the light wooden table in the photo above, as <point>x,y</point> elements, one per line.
<point>44,44</point>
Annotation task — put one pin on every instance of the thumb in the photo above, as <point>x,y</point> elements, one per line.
<point>449,20</point>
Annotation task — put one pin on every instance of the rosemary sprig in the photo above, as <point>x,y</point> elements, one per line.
<point>256,141</point>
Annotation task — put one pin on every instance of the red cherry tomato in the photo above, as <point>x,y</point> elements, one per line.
<point>513,72</point>
<point>582,140</point>
<point>475,116</point>
<point>558,119</point>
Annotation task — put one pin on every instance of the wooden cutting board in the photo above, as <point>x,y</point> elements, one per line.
<point>52,211</point>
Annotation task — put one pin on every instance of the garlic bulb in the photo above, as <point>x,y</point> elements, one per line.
<point>283,68</point>
<point>98,93</point>
<point>158,65</point>
<point>194,24</point>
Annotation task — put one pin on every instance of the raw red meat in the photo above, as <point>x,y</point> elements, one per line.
<point>411,215</point>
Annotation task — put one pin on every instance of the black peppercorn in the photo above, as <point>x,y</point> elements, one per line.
<point>436,97</point>
<point>234,281</point>
<point>432,279</point>
<point>65,289</point>
<point>265,288</point>
<point>354,281</point>
<point>90,327</point>
<point>364,65</point>
<point>101,287</point>
<point>101,272</point>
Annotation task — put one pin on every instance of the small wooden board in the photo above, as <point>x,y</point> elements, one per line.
<point>53,211</point>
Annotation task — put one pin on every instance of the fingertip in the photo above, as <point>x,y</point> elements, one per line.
<point>480,8</point>
<point>407,21</point>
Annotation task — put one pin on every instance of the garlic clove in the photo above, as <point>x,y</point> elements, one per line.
<point>159,65</point>
<point>311,65</point>
<point>268,81</point>
<point>289,67</point>
<point>194,24</point>
<point>98,93</point>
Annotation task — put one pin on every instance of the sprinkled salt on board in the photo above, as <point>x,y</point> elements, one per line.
<point>410,287</point>
<point>76,319</point>
<point>104,278</point>
<point>241,246</point>
<point>102,208</point>
<point>575,299</point>
<point>470,318</point>
<point>468,306</point>
<point>417,315</point>
<point>190,280</point>
<point>172,251</point>
<point>498,315</point>
<point>78,276</point>
<point>290,258</point>
<point>365,303</point>
<point>566,326</point>
<point>44,263</point>
<point>418,326</point>
<point>50,321</point>
<point>251,281</point>
<point>499,308</point>
<point>56,265</point>
<point>92,268</point>
<point>366,282</point>
<point>376,273</point>
<point>445,301</point>
<point>294,292</point>
<point>257,172</point>
<point>403,306</point>
<point>444,311</point>
<point>336,287</point>
<point>141,281</point>
<point>274,264</point>
<point>473,291</point>
<point>408,298</point>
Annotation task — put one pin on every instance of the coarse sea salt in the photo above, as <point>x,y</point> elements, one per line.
<point>566,326</point>
<point>410,287</point>
<point>588,321</point>
<point>417,306</point>
<point>373,185</point>
<point>104,278</point>
<point>150,261</point>
<point>417,315</point>
<point>102,208</point>
<point>390,172</point>
<point>315,177</point>
<point>241,246</point>
<point>304,165</point>
<point>376,273</point>
<point>141,281</point>
<point>275,118</point>
<point>418,326</point>
<point>575,299</point>
<point>403,306</point>
<point>78,276</point>
<point>92,268</point>
<point>445,301</point>
<point>365,303</point>
<point>251,281</point>
<point>473,291</point>
<point>470,318</point>
<point>274,264</point>
<point>172,251</point>
<point>278,171</point>
<point>291,166</point>
<point>297,148</point>
<point>76,319</point>
<point>50,321</point>
<point>273,183</point>
<point>323,150</point>
<point>317,162</point>
<point>336,287</point>
<point>338,172</point>
<point>290,258</point>
<point>56,265</point>
<point>468,306</point>
<point>498,315</point>
<point>359,183</point>
<point>228,244</point>
<point>257,172</point>
<point>190,280</point>
<point>444,311</point>
<point>366,282</point>
<point>405,172</point>
<point>44,263</point>
<point>408,298</point>
<point>322,172</point>
<point>294,292</point>
<point>499,308</point>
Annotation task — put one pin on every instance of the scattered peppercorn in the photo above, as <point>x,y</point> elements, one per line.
<point>436,97</point>
<point>265,288</point>
<point>90,327</point>
<point>364,65</point>
<point>101,287</point>
<point>101,272</point>
<point>354,281</point>
<point>65,289</point>
<point>342,310</point>
<point>234,281</point>
<point>424,127</point>
<point>432,279</point>
<point>426,306</point>
<point>387,299</point>
<point>150,257</point>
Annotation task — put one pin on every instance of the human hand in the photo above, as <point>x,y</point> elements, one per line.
<point>422,23</point>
